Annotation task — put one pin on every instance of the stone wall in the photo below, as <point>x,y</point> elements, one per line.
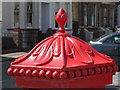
<point>8,45</point>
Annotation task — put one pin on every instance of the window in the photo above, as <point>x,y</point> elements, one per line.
<point>113,40</point>
<point>67,9</point>
<point>111,16</point>
<point>56,24</point>
<point>110,40</point>
<point>16,14</point>
<point>105,17</point>
<point>108,15</point>
<point>85,15</point>
<point>98,15</point>
<point>57,7</point>
<point>117,39</point>
<point>29,14</point>
<point>93,14</point>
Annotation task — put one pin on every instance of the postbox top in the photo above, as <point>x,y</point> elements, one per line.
<point>61,52</point>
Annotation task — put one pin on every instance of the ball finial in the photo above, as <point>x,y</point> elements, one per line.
<point>61,18</point>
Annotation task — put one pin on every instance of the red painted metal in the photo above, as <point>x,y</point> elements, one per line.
<point>63,61</point>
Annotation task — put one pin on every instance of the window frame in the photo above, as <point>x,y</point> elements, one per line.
<point>113,38</point>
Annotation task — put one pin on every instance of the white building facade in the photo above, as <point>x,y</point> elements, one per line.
<point>36,15</point>
<point>118,15</point>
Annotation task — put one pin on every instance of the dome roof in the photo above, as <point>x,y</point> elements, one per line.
<point>61,56</point>
<point>62,51</point>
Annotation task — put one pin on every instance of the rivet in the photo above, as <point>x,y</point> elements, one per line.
<point>78,73</point>
<point>115,68</point>
<point>15,72</point>
<point>98,70</point>
<point>10,71</point>
<point>48,74</point>
<point>91,71</point>
<point>22,72</point>
<point>71,74</point>
<point>104,70</point>
<point>42,73</point>
<point>63,75</point>
<point>28,72</point>
<point>35,73</point>
<point>84,72</point>
<point>55,75</point>
<point>110,69</point>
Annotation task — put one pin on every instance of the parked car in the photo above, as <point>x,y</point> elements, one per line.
<point>109,45</point>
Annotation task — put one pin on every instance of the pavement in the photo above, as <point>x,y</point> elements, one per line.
<point>116,79</point>
<point>115,82</point>
<point>8,82</point>
<point>9,56</point>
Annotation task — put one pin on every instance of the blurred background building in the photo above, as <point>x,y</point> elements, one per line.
<point>97,17</point>
<point>35,15</point>
<point>26,23</point>
<point>0,24</point>
<point>95,14</point>
<point>118,8</point>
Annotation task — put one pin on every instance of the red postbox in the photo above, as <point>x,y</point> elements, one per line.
<point>63,61</point>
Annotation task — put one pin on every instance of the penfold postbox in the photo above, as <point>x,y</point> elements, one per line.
<point>63,61</point>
